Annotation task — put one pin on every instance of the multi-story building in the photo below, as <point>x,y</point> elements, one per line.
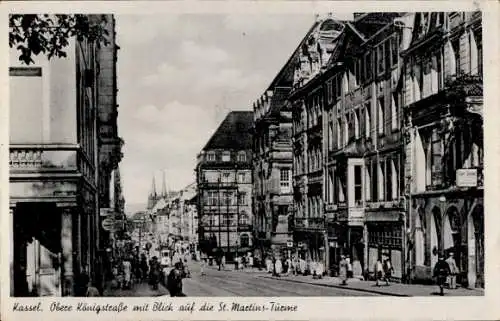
<point>54,167</point>
<point>224,182</point>
<point>272,168</point>
<point>364,146</point>
<point>188,222</point>
<point>443,103</point>
<point>109,142</point>
<point>307,99</point>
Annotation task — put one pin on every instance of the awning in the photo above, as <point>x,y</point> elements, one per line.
<point>383,216</point>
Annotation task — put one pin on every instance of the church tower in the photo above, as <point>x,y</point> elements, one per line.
<point>153,197</point>
<point>164,192</point>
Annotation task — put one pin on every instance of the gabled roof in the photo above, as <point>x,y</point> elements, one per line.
<point>235,132</point>
<point>280,95</point>
<point>285,75</point>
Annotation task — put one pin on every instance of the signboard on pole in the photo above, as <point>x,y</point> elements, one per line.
<point>109,224</point>
<point>467,177</point>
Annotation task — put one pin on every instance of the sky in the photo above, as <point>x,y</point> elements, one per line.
<point>179,76</point>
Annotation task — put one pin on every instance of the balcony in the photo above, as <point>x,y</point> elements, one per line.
<point>316,223</point>
<point>218,185</point>
<point>43,158</point>
<point>300,222</point>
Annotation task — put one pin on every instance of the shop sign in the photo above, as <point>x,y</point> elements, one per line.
<point>467,177</point>
<point>106,211</point>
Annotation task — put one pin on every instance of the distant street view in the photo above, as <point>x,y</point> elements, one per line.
<point>211,155</point>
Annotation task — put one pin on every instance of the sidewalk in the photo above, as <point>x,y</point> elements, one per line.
<point>394,289</point>
<point>138,290</point>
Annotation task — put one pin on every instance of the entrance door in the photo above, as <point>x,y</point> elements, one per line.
<point>37,248</point>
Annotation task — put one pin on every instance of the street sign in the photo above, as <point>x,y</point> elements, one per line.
<point>106,211</point>
<point>467,177</point>
<point>109,224</point>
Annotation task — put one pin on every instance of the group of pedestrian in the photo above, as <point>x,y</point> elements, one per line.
<point>446,271</point>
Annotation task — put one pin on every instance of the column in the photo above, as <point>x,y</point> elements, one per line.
<point>67,252</point>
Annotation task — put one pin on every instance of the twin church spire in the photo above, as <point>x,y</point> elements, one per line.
<point>153,196</point>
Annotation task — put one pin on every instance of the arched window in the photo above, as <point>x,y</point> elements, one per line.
<point>244,240</point>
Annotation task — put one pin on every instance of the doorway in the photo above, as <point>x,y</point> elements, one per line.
<point>37,250</point>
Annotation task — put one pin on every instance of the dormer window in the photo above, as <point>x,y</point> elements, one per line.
<point>226,156</point>
<point>242,157</point>
<point>211,156</point>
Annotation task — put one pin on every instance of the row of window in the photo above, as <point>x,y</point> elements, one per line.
<point>211,219</point>
<point>383,57</point>
<point>359,122</point>
<point>226,156</point>
<point>381,182</point>
<point>224,177</point>
<point>464,151</point>
<point>227,198</point>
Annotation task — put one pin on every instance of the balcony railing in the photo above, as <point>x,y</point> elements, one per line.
<point>43,157</point>
<point>316,222</point>
<point>300,222</point>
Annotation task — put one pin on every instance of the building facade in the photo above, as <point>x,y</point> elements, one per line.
<point>109,142</point>
<point>307,99</point>
<point>363,175</point>
<point>443,103</point>
<point>272,172</point>
<point>54,170</point>
<point>224,184</point>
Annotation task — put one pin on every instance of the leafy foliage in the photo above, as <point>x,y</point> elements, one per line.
<point>33,34</point>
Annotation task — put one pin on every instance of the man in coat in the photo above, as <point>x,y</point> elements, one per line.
<point>174,281</point>
<point>441,272</point>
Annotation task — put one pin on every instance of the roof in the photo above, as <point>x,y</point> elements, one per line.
<point>285,75</point>
<point>235,132</point>
<point>280,95</point>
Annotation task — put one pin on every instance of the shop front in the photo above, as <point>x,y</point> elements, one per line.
<point>385,241</point>
<point>445,223</point>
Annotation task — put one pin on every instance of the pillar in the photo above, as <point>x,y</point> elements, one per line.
<point>67,252</point>
<point>327,252</point>
<point>365,248</point>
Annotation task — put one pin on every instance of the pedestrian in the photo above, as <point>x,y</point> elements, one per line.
<point>319,270</point>
<point>127,273</point>
<point>288,266</point>
<point>174,281</point>
<point>302,266</point>
<point>379,271</point>
<point>223,262</point>
<point>343,269</point>
<point>441,272</point>
<point>202,266</point>
<point>92,290</point>
<point>278,267</point>
<point>452,278</point>
<point>349,268</point>
<point>388,270</point>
